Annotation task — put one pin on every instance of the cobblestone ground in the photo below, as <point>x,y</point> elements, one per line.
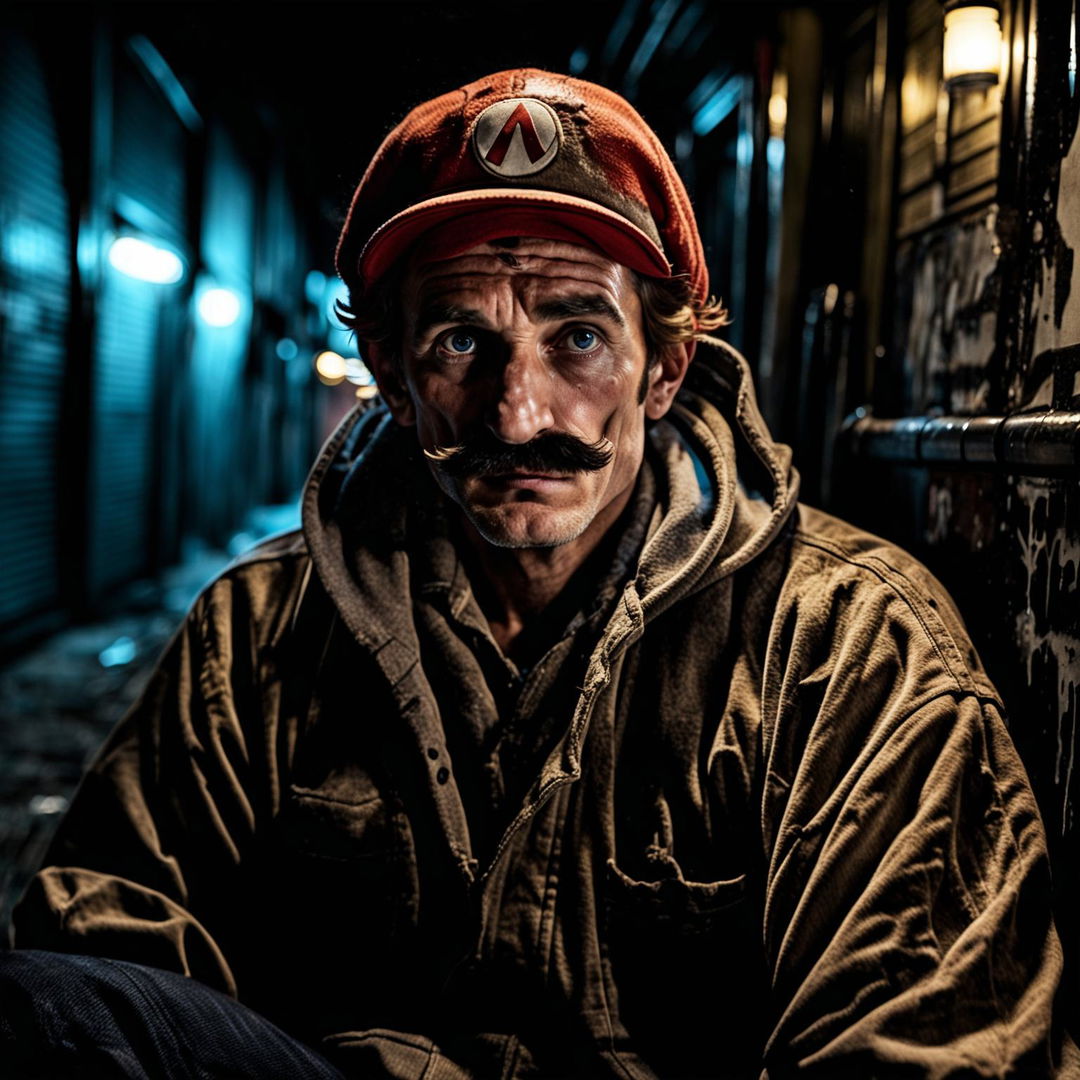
<point>58,703</point>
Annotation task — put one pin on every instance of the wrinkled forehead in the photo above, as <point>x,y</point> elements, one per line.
<point>535,265</point>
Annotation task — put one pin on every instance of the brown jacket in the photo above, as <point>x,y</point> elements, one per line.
<point>779,826</point>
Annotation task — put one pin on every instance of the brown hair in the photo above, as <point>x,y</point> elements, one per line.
<point>672,316</point>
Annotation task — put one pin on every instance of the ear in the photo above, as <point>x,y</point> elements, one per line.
<point>667,377</point>
<point>392,388</point>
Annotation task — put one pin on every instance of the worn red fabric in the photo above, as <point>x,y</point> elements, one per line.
<point>611,181</point>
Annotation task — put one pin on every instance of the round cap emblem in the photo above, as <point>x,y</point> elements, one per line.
<point>516,137</point>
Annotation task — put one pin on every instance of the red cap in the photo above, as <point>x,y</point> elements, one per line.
<point>525,153</point>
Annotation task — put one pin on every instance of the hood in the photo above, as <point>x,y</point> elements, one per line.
<point>725,490</point>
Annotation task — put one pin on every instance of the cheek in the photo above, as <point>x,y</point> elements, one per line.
<point>599,404</point>
<point>441,410</point>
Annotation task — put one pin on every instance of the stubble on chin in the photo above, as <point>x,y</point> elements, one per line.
<point>513,530</point>
<point>521,523</point>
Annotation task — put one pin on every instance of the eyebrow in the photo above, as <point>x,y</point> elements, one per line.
<point>436,313</point>
<point>571,307</point>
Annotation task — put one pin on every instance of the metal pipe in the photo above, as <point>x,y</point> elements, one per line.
<point>1034,444</point>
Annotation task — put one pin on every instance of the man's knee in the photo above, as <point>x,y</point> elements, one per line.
<point>70,986</point>
<point>67,1015</point>
<point>79,1013</point>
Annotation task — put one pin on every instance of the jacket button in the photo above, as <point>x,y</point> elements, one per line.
<point>432,753</point>
<point>443,775</point>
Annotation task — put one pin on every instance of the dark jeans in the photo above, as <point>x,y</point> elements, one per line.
<point>80,1016</point>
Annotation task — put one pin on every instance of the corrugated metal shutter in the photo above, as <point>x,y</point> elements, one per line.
<point>34,301</point>
<point>148,151</point>
<point>149,182</point>
<point>123,447</point>
<point>219,424</point>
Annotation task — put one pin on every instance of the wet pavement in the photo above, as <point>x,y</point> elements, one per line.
<point>59,701</point>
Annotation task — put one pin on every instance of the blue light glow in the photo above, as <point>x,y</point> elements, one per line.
<point>219,307</point>
<point>744,148</point>
<point>145,261</point>
<point>121,651</point>
<point>33,247</point>
<point>706,88</point>
<point>287,349</point>
<point>718,107</point>
<point>314,284</point>
<point>579,60</point>
<point>774,153</point>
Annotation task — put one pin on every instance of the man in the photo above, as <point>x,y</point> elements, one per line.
<point>562,741</point>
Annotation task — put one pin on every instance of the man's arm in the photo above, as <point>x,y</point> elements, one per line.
<point>153,842</point>
<point>909,922</point>
<point>907,917</point>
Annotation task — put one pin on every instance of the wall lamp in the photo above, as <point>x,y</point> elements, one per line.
<point>972,44</point>
<point>145,260</point>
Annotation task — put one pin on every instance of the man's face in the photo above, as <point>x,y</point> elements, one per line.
<point>507,346</point>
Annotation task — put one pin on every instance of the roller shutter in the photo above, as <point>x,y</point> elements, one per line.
<point>34,302</point>
<point>148,175</point>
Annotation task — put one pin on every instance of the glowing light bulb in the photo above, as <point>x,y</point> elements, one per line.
<point>972,46</point>
<point>145,261</point>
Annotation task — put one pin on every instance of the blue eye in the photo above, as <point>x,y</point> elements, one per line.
<point>460,342</point>
<point>583,340</point>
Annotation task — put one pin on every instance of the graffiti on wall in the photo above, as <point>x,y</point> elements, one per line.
<point>1048,627</point>
<point>952,275</point>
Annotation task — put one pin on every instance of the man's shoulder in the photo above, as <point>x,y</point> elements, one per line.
<point>283,547</point>
<point>864,585</point>
<point>259,591</point>
<point>830,540</point>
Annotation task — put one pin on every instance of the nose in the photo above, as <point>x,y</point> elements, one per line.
<point>521,406</point>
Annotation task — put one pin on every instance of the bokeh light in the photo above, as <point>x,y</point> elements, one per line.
<point>145,261</point>
<point>330,367</point>
<point>219,307</point>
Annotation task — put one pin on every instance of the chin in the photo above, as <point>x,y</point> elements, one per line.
<point>525,525</point>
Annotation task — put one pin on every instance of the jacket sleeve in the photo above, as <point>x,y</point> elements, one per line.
<point>908,924</point>
<point>165,814</point>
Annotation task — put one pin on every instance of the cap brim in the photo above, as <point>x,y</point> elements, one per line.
<point>521,212</point>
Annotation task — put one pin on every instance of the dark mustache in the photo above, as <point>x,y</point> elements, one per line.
<point>555,453</point>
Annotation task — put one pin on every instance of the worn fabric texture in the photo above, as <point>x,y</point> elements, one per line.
<point>755,813</point>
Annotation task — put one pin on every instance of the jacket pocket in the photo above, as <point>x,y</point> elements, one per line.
<point>356,854</point>
<point>687,969</point>
<point>345,890</point>
<point>336,915</point>
<point>364,834</point>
